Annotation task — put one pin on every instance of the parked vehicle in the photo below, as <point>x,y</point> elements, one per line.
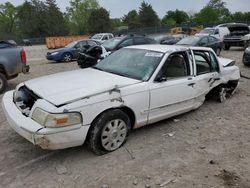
<point>27,42</point>
<point>130,88</point>
<point>166,39</point>
<point>239,36</point>
<point>102,37</point>
<point>204,41</point>
<point>71,51</point>
<point>91,56</point>
<point>127,40</point>
<point>217,32</point>
<point>12,63</point>
<point>246,56</point>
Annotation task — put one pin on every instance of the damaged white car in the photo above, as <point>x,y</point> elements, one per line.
<point>131,88</point>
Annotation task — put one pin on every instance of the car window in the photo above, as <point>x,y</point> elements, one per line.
<point>206,62</point>
<point>92,43</point>
<point>204,41</point>
<point>133,63</point>
<point>176,66</point>
<point>127,42</point>
<point>105,37</point>
<point>140,40</point>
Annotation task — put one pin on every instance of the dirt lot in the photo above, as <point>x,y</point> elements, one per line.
<point>209,147</point>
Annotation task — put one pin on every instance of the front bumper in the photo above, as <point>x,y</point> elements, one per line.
<point>46,138</point>
<point>57,57</point>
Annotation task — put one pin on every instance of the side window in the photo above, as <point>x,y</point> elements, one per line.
<point>125,43</point>
<point>214,63</point>
<point>140,40</point>
<point>105,37</point>
<point>91,43</point>
<point>204,41</point>
<point>206,62</point>
<point>176,66</point>
<point>216,32</point>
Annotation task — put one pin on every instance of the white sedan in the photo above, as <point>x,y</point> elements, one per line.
<point>131,88</point>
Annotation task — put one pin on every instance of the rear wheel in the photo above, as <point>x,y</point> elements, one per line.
<point>109,132</point>
<point>67,57</point>
<point>3,82</point>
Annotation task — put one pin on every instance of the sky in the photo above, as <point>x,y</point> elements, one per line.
<point>118,8</point>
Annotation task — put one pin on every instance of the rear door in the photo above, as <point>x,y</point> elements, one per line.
<point>207,73</point>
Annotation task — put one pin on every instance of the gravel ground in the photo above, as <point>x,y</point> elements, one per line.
<point>206,148</point>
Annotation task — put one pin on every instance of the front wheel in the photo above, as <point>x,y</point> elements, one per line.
<point>67,57</point>
<point>109,131</point>
<point>3,82</point>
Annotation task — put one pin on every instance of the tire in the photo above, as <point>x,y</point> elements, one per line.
<point>227,47</point>
<point>109,132</point>
<point>3,82</point>
<point>67,57</point>
<point>218,51</point>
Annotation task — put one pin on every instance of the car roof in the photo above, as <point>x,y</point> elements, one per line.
<point>166,48</point>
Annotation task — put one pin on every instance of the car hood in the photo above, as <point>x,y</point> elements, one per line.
<point>66,87</point>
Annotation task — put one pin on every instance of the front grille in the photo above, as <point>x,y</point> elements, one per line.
<point>24,99</point>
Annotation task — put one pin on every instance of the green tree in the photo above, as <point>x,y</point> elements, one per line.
<point>207,15</point>
<point>147,15</point>
<point>78,14</point>
<point>220,7</point>
<point>8,14</point>
<point>32,19</point>
<point>176,16</point>
<point>55,21</point>
<point>99,21</point>
<point>240,16</point>
<point>131,19</point>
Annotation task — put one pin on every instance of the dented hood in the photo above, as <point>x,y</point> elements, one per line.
<point>225,61</point>
<point>69,86</point>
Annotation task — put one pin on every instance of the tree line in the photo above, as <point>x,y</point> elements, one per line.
<point>37,18</point>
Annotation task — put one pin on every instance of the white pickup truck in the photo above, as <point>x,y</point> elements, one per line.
<point>131,88</point>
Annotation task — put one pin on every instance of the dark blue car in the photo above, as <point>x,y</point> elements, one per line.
<point>71,51</point>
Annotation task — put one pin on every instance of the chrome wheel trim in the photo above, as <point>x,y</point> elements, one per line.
<point>113,134</point>
<point>222,95</point>
<point>67,57</point>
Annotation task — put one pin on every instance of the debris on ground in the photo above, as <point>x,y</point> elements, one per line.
<point>230,179</point>
<point>104,186</point>
<point>213,162</point>
<point>167,182</point>
<point>176,120</point>
<point>60,169</point>
<point>135,182</point>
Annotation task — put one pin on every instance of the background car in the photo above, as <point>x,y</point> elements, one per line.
<point>166,39</point>
<point>246,56</point>
<point>102,37</point>
<point>203,41</point>
<point>27,42</point>
<point>217,32</point>
<point>128,40</point>
<point>71,51</point>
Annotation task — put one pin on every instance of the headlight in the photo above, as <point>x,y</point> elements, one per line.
<point>56,120</point>
<point>54,53</point>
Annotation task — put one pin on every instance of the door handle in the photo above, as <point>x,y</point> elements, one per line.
<point>191,84</point>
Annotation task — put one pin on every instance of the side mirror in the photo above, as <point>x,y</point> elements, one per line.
<point>161,79</point>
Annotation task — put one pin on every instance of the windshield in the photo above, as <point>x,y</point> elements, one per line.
<point>97,37</point>
<point>111,43</point>
<point>71,45</point>
<point>207,31</point>
<point>133,63</point>
<point>193,40</point>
